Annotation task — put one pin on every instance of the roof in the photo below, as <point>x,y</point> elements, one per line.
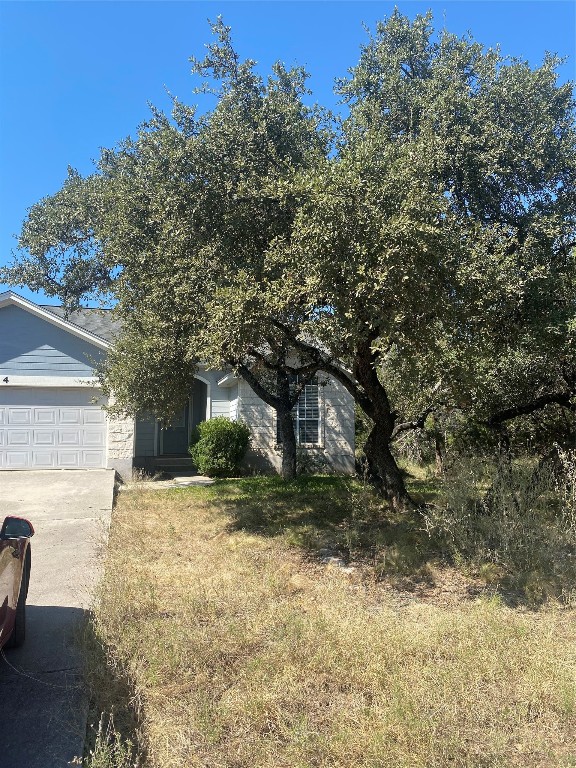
<point>93,325</point>
<point>98,322</point>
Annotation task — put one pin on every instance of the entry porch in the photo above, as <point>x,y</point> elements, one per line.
<point>164,446</point>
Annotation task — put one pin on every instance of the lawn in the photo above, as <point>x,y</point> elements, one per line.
<point>227,634</point>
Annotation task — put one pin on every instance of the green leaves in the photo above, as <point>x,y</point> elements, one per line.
<point>64,255</point>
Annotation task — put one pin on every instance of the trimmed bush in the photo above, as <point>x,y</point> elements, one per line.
<point>220,446</point>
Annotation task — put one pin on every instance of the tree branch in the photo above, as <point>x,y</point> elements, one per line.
<point>507,414</point>
<point>328,366</point>
<point>307,373</point>
<point>418,423</point>
<point>259,389</point>
<point>262,359</point>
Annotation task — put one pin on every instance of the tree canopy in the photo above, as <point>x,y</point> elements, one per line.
<point>420,249</point>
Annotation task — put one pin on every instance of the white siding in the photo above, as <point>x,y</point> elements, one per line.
<point>234,402</point>
<point>338,418</point>
<point>260,418</point>
<point>336,446</point>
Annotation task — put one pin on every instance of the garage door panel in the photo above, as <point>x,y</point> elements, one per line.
<point>44,437</point>
<point>70,416</point>
<point>44,459</point>
<point>69,437</point>
<point>17,460</point>
<point>45,416</point>
<point>92,459</point>
<point>94,416</point>
<point>93,438</point>
<point>19,416</point>
<point>18,437</point>
<point>49,429</point>
<point>69,459</point>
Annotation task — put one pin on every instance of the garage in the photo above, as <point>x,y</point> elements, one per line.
<point>52,428</point>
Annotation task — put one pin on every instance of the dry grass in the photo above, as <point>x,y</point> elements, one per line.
<point>243,651</point>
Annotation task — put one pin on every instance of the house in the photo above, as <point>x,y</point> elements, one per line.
<point>51,407</point>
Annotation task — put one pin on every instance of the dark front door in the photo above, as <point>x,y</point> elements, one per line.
<point>174,437</point>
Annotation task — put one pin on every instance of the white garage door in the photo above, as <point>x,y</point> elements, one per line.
<point>51,429</point>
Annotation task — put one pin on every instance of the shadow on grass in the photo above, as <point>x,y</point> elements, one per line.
<point>342,517</point>
<point>328,515</point>
<point>114,724</point>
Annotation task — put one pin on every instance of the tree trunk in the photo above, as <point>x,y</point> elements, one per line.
<point>439,452</point>
<point>377,447</point>
<point>504,449</point>
<point>286,429</point>
<point>280,400</point>
<point>383,466</point>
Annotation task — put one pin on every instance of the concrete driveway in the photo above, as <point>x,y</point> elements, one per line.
<point>43,703</point>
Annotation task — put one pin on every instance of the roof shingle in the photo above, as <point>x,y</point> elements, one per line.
<point>98,322</point>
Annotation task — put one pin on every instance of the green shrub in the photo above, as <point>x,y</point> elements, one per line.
<point>220,446</point>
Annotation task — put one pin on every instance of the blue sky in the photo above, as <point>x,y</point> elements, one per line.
<point>77,76</point>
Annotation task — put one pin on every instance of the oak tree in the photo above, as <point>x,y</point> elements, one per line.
<point>426,237</point>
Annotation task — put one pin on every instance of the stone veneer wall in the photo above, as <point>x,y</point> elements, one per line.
<point>120,445</point>
<point>336,451</point>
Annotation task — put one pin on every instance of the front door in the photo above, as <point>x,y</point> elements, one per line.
<point>174,437</point>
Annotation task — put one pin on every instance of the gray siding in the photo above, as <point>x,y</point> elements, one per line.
<point>145,435</point>
<point>44,396</point>
<point>31,346</point>
<point>219,396</point>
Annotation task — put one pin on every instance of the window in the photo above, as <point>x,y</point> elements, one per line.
<point>306,414</point>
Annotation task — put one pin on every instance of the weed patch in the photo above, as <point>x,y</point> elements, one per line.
<point>515,522</point>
